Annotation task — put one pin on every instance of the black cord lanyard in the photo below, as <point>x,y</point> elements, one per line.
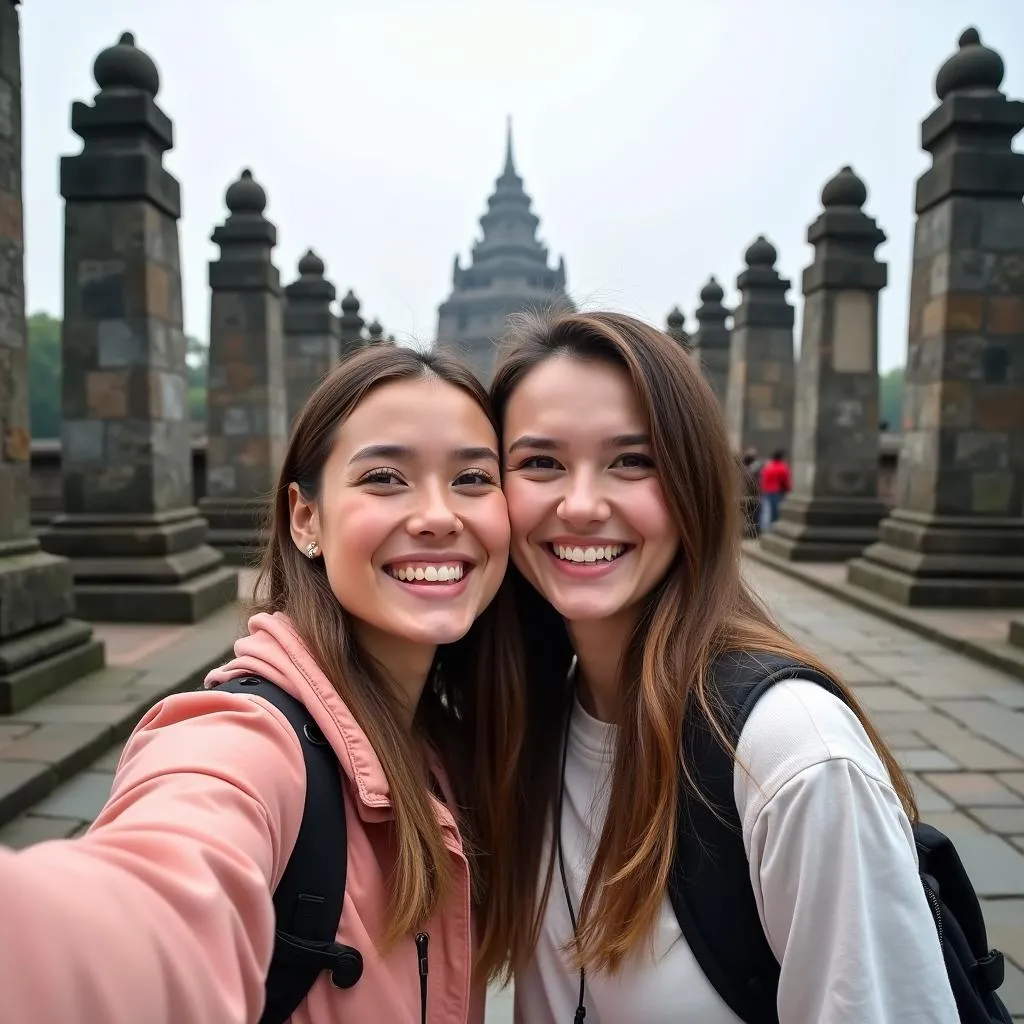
<point>581,1010</point>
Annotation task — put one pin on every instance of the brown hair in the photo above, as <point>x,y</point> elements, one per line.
<point>701,609</point>
<point>460,718</point>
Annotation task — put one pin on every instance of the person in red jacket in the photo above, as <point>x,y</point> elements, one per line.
<point>776,482</point>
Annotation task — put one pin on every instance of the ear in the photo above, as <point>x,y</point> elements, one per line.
<point>304,519</point>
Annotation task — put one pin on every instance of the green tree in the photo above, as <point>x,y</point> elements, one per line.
<point>44,375</point>
<point>890,401</point>
<point>198,359</point>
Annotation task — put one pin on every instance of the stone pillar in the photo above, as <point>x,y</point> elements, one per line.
<point>712,338</point>
<point>834,510</point>
<point>41,647</point>
<point>956,536</point>
<point>759,402</point>
<point>675,327</point>
<point>375,333</point>
<point>351,325</point>
<point>137,544</point>
<point>310,332</point>
<point>247,418</point>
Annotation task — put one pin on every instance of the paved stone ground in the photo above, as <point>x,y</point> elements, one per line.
<point>956,725</point>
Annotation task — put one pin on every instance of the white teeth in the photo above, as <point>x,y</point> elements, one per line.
<point>608,553</point>
<point>428,573</point>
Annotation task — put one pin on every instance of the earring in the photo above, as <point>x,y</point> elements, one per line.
<point>312,549</point>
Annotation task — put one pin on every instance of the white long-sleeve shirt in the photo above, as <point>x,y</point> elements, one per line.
<point>833,868</point>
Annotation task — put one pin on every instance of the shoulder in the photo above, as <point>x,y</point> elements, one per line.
<point>243,727</point>
<point>229,749</point>
<point>796,726</point>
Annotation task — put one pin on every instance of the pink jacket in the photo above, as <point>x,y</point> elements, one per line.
<point>162,912</point>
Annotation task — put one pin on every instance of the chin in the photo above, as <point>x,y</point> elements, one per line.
<point>585,608</point>
<point>437,632</point>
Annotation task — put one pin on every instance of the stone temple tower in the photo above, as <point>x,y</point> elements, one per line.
<point>508,273</point>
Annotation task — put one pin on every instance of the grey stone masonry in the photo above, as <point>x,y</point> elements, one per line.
<point>956,534</point>
<point>137,543</point>
<point>311,332</point>
<point>375,333</point>
<point>41,647</point>
<point>350,324</point>
<point>247,417</point>
<point>834,510</point>
<point>759,398</point>
<point>713,338</point>
<point>675,327</point>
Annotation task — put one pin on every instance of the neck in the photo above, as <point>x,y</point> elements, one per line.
<point>600,645</point>
<point>406,665</point>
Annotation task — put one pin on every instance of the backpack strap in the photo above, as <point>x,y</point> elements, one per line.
<point>309,897</point>
<point>709,881</point>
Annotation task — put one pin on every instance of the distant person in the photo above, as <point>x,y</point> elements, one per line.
<point>776,483</point>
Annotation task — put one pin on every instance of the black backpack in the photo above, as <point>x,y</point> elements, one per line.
<point>309,897</point>
<point>709,885</point>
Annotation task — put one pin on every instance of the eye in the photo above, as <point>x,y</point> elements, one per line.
<point>633,460</point>
<point>474,478</point>
<point>384,476</point>
<point>539,462</point>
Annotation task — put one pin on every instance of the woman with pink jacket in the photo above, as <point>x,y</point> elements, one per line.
<point>388,540</point>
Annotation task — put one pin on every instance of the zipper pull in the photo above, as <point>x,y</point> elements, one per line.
<point>422,939</point>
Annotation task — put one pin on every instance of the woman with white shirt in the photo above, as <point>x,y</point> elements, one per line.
<point>624,500</point>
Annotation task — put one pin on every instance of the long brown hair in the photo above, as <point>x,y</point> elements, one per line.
<point>470,683</point>
<point>701,609</point>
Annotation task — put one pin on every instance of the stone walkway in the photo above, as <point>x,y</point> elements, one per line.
<point>956,725</point>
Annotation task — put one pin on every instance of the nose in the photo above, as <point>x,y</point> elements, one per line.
<point>434,515</point>
<point>582,502</point>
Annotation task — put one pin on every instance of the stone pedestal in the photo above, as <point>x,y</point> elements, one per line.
<point>350,325</point>
<point>759,398</point>
<point>41,647</point>
<point>712,339</point>
<point>956,536</point>
<point>247,418</point>
<point>310,332</point>
<point>834,510</point>
<point>136,543</point>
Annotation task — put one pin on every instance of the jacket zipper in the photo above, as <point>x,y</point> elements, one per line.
<point>422,940</point>
<point>936,909</point>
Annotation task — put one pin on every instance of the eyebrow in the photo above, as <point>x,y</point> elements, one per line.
<point>401,451</point>
<point>548,444</point>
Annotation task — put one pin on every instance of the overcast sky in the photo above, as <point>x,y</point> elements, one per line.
<point>656,138</point>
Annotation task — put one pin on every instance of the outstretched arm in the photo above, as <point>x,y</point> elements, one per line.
<point>162,912</point>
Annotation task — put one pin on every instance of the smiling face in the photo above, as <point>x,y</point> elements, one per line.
<point>409,519</point>
<point>590,526</point>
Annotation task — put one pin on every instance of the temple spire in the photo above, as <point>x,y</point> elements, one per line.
<point>508,272</point>
<point>510,165</point>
